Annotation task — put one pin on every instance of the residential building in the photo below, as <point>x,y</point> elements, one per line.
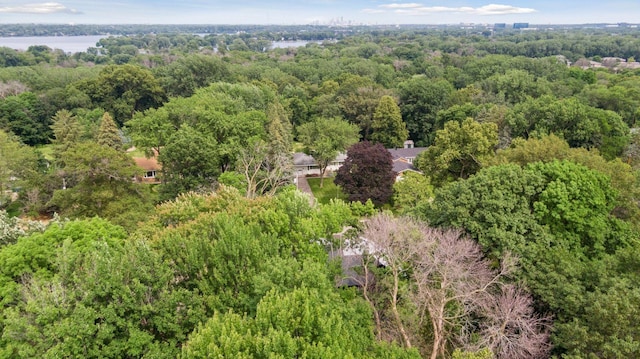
<point>151,167</point>
<point>306,165</point>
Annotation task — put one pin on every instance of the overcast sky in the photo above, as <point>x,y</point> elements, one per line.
<point>305,12</point>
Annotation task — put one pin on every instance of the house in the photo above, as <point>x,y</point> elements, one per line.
<point>152,169</point>
<point>403,158</point>
<point>352,256</point>
<point>305,165</point>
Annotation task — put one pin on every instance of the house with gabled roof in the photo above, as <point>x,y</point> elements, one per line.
<point>151,169</point>
<point>304,164</point>
<point>403,157</point>
<point>402,161</point>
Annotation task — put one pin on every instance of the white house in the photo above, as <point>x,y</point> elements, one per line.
<point>304,164</point>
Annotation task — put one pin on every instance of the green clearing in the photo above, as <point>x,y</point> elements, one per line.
<point>328,192</point>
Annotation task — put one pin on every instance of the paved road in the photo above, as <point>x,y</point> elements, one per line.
<point>303,185</point>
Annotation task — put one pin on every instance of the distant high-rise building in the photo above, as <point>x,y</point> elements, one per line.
<point>501,25</point>
<point>521,25</point>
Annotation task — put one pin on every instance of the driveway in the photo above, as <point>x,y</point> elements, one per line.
<point>303,186</point>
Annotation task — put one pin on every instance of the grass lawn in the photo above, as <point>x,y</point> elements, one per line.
<point>328,191</point>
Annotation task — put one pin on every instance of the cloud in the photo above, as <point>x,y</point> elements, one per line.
<point>41,8</point>
<point>373,11</point>
<point>418,9</point>
<point>401,6</point>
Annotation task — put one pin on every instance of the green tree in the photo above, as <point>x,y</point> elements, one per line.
<point>459,150</point>
<point>387,126</point>
<point>67,130</point>
<point>278,128</point>
<point>358,99</point>
<point>550,148</point>
<point>189,162</point>
<point>187,74</point>
<point>557,217</point>
<point>108,133</point>
<point>98,181</point>
<point>124,90</point>
<point>18,165</point>
<point>515,86</point>
<point>324,138</point>
<point>412,188</point>
<point>25,116</point>
<point>420,100</point>
<point>150,130</point>
<point>579,124</point>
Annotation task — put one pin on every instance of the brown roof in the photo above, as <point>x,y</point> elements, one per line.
<point>148,164</point>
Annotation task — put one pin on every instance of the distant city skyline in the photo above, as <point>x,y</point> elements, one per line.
<point>292,12</point>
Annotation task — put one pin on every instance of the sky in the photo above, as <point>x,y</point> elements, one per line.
<point>299,12</point>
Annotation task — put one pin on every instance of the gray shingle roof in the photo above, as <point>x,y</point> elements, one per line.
<point>397,153</point>
<point>401,166</point>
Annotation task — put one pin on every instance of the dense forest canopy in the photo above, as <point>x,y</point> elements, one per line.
<point>515,234</point>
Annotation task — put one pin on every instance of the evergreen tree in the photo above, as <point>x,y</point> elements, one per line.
<point>108,134</point>
<point>67,130</point>
<point>279,128</point>
<point>387,126</point>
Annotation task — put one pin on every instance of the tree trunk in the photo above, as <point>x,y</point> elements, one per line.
<point>323,169</point>
<point>365,294</point>
<point>394,309</point>
<point>437,322</point>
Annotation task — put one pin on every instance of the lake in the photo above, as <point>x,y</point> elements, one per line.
<point>64,43</point>
<point>82,43</point>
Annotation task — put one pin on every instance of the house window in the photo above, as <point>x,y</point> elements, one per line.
<point>150,174</point>
<point>410,160</point>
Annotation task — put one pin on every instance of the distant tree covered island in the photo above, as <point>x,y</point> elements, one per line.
<point>153,193</point>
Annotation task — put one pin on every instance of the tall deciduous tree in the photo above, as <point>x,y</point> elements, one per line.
<point>124,90</point>
<point>184,76</point>
<point>411,189</point>
<point>367,173</point>
<point>358,104</point>
<point>455,293</point>
<point>420,100</point>
<point>459,150</point>
<point>579,124</point>
<point>189,162</point>
<point>324,138</point>
<point>150,130</point>
<point>18,163</point>
<point>99,182</point>
<point>25,116</point>
<point>387,126</point>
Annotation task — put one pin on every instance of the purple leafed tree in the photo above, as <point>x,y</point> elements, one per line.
<point>367,173</point>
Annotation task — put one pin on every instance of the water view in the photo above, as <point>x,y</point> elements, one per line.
<point>64,43</point>
<point>82,43</point>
